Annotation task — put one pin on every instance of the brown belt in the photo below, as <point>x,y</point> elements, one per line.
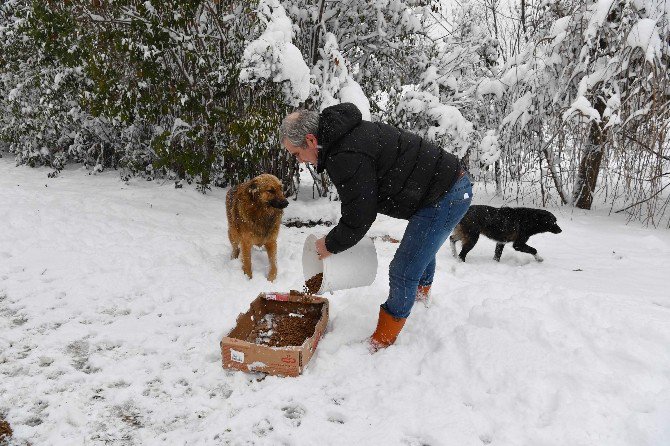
<point>460,174</point>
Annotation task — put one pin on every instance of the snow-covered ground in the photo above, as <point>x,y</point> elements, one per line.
<point>114,296</point>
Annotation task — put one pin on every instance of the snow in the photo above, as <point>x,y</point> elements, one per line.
<point>334,82</point>
<point>15,93</point>
<point>520,108</point>
<point>491,86</point>
<point>582,107</point>
<point>600,9</point>
<point>612,109</point>
<point>516,74</point>
<point>150,8</point>
<point>448,119</point>
<point>430,80</point>
<point>559,29</point>
<point>656,9</point>
<point>274,56</point>
<point>489,148</point>
<point>644,35</point>
<point>114,296</point>
<point>352,92</point>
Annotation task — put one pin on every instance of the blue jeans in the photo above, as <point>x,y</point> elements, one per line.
<point>414,261</point>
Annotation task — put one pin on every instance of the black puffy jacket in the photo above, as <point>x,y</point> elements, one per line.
<point>377,168</point>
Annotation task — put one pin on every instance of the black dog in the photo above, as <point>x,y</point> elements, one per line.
<point>502,225</point>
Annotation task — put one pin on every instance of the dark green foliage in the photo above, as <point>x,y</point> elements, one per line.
<point>151,89</point>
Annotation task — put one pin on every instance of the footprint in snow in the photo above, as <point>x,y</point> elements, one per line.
<point>262,428</point>
<point>17,322</point>
<point>294,412</point>
<point>79,351</point>
<point>486,438</point>
<point>415,441</point>
<point>337,418</point>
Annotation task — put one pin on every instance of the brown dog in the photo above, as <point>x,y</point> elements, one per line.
<point>254,209</point>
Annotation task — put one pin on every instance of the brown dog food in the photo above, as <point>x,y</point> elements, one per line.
<point>282,330</point>
<point>388,238</point>
<point>313,284</point>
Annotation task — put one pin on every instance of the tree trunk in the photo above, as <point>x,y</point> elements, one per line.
<point>316,32</point>
<point>589,166</point>
<point>555,176</point>
<point>498,179</point>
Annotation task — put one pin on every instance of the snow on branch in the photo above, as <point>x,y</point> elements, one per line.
<point>582,107</point>
<point>448,124</point>
<point>335,83</point>
<point>272,56</point>
<point>644,35</point>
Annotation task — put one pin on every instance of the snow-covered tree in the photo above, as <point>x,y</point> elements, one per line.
<point>564,96</point>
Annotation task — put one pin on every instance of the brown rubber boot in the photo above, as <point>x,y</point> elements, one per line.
<point>422,293</point>
<point>388,328</point>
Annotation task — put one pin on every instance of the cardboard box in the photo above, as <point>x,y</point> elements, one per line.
<point>243,348</point>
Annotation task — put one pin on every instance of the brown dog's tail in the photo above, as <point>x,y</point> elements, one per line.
<point>229,202</point>
<point>229,195</point>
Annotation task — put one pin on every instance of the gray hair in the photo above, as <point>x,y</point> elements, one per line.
<point>297,125</point>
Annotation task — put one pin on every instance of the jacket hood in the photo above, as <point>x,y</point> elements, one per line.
<point>335,122</point>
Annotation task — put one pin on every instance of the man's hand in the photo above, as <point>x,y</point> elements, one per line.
<point>321,249</point>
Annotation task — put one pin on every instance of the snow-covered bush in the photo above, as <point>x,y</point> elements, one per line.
<point>152,88</point>
<point>39,114</point>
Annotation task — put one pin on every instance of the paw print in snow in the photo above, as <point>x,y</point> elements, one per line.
<point>294,413</point>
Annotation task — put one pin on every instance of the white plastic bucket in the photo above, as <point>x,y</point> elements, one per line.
<point>353,268</point>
